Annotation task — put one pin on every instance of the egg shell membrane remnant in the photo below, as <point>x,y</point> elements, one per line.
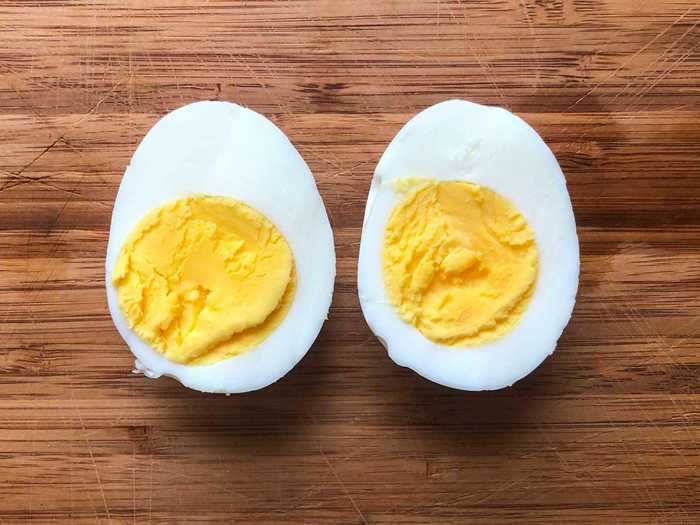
<point>462,141</point>
<point>221,149</point>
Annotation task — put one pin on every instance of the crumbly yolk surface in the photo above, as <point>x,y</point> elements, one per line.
<point>204,278</point>
<point>460,261</point>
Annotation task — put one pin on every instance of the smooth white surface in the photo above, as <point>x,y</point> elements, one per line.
<point>459,140</point>
<point>219,148</point>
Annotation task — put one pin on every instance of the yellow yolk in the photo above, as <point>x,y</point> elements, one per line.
<point>460,261</point>
<point>204,278</point>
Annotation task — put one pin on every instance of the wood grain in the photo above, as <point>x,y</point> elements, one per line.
<point>606,431</point>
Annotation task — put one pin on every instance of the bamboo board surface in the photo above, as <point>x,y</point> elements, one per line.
<point>605,431</point>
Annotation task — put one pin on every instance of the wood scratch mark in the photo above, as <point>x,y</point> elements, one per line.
<point>484,66</point>
<point>392,84</point>
<point>614,39</point>
<point>133,480</point>
<point>656,60</point>
<point>62,139</point>
<point>33,453</point>
<point>649,489</point>
<point>43,120</point>
<point>273,100</point>
<point>663,435</point>
<point>150,489</point>
<point>27,82</point>
<point>670,48</point>
<point>631,58</point>
<point>342,485</point>
<point>684,419</point>
<point>628,454</point>
<point>535,40</point>
<point>275,78</point>
<point>22,180</point>
<point>665,350</point>
<point>19,180</point>
<point>44,152</point>
<point>656,340</point>
<point>176,77</point>
<point>41,283</point>
<point>82,479</point>
<point>642,92</point>
<point>161,97</point>
<point>562,460</point>
<point>17,175</point>
<point>350,170</point>
<point>334,163</point>
<point>467,498</point>
<point>94,465</point>
<point>97,104</point>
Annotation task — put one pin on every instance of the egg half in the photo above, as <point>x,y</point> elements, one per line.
<point>469,258</point>
<point>220,264</point>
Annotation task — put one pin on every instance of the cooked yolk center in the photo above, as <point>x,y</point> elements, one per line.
<point>460,261</point>
<point>205,278</point>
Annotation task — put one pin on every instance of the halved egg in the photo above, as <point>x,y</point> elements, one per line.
<point>469,257</point>
<point>220,264</point>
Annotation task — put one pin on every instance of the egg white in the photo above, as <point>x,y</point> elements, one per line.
<point>219,148</point>
<point>459,140</point>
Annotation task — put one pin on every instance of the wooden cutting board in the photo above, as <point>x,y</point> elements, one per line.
<point>605,431</point>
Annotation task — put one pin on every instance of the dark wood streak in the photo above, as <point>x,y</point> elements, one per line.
<point>606,431</point>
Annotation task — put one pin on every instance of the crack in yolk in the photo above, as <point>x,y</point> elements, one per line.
<point>460,261</point>
<point>204,278</point>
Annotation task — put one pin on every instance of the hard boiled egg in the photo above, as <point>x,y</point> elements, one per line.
<point>469,257</point>
<point>220,263</point>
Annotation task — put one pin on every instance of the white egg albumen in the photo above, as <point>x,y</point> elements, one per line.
<point>459,140</point>
<point>219,148</point>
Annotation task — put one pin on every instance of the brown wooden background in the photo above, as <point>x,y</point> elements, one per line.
<point>606,431</point>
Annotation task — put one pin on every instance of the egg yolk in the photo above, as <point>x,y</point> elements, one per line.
<point>205,278</point>
<point>460,261</point>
